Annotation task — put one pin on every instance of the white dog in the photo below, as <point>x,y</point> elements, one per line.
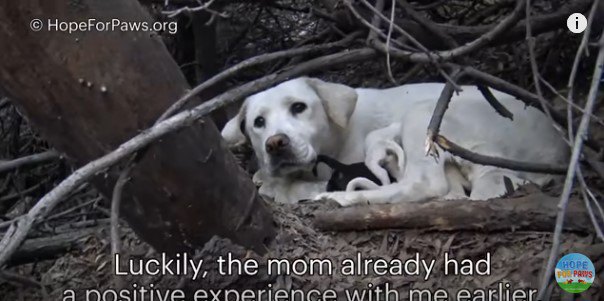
<point>290,124</point>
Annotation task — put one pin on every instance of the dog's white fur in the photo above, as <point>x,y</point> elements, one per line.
<point>339,119</point>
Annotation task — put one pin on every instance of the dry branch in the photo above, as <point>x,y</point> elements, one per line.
<point>116,200</point>
<point>18,231</point>
<point>530,40</point>
<point>534,212</point>
<point>498,162</point>
<point>53,246</point>
<point>441,106</point>
<point>492,100</point>
<point>573,73</point>
<point>428,24</point>
<point>375,21</point>
<point>29,160</point>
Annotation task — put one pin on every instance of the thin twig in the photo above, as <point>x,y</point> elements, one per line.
<point>174,13</point>
<point>492,100</point>
<point>43,157</point>
<point>575,67</point>
<point>70,210</point>
<point>417,68</point>
<point>368,25</point>
<point>115,218</point>
<point>390,25</point>
<point>570,175</point>
<point>588,198</point>
<point>21,193</point>
<point>570,103</point>
<point>375,22</point>
<point>428,24</point>
<point>530,40</point>
<point>18,231</point>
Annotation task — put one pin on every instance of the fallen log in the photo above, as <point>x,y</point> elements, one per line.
<point>533,212</point>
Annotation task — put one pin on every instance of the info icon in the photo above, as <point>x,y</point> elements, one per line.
<point>576,23</point>
<point>575,273</point>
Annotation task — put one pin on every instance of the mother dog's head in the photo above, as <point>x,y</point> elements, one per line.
<point>290,124</point>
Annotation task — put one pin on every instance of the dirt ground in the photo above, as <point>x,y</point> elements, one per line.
<point>516,258</point>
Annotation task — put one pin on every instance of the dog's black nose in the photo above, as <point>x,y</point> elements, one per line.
<point>276,143</point>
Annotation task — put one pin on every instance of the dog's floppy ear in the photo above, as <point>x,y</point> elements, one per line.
<point>234,131</point>
<point>339,100</point>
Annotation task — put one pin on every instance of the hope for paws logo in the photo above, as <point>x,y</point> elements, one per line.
<point>575,273</point>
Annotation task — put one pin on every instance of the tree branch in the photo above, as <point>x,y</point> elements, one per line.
<point>498,162</point>
<point>43,157</point>
<point>492,100</point>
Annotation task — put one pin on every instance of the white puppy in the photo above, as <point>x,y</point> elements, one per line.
<point>383,153</point>
<point>384,157</point>
<point>289,124</point>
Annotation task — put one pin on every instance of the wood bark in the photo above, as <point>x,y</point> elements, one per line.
<point>45,248</point>
<point>534,212</point>
<point>89,91</point>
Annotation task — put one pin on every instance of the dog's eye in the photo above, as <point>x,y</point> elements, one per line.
<point>259,122</point>
<point>297,108</point>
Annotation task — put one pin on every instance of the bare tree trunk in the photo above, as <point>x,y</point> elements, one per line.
<point>88,91</point>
